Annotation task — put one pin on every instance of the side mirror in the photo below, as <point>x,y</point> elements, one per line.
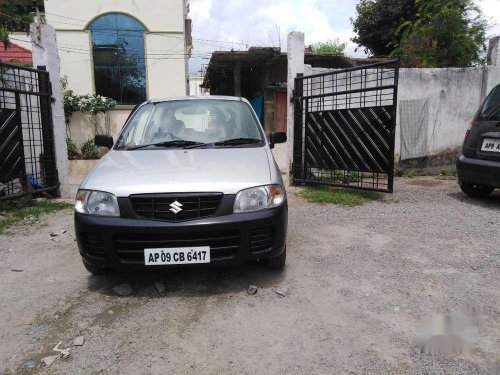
<point>277,137</point>
<point>103,140</point>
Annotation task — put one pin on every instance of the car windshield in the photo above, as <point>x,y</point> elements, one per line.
<point>191,123</point>
<point>491,107</point>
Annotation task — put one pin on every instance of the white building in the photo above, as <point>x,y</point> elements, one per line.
<point>195,82</point>
<point>129,50</point>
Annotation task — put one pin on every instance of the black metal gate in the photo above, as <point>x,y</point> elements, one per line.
<point>27,158</point>
<point>344,127</point>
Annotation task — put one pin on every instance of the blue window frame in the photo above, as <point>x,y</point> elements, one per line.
<point>119,60</point>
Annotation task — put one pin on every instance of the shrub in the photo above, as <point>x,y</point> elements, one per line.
<point>90,105</point>
<point>89,150</point>
<point>73,152</point>
<point>86,103</point>
<point>330,46</point>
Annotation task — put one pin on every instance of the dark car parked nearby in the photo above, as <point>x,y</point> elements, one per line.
<point>478,166</point>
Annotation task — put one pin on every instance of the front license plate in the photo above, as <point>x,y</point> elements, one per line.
<point>179,255</point>
<point>490,144</point>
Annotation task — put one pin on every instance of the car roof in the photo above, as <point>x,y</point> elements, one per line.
<point>202,97</point>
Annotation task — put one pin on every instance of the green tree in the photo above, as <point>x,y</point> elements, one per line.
<point>377,21</point>
<point>446,33</point>
<point>330,46</point>
<point>15,15</point>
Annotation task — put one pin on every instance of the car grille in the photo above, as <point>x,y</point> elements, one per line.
<point>261,239</point>
<point>189,207</point>
<point>130,247</point>
<point>94,245</point>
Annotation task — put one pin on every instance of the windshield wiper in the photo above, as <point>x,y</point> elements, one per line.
<point>175,143</point>
<point>238,141</point>
<point>228,142</point>
<point>199,145</point>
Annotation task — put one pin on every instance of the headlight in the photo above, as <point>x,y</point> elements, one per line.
<point>96,203</point>
<point>259,198</point>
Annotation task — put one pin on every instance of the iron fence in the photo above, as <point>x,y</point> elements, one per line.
<point>344,127</point>
<point>27,157</point>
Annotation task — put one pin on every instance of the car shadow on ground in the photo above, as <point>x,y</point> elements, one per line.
<point>491,202</point>
<point>187,281</point>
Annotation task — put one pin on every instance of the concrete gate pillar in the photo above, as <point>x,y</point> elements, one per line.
<point>295,54</point>
<point>44,47</point>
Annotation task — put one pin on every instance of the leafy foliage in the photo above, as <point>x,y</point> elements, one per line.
<point>15,15</point>
<point>342,197</point>
<point>446,33</point>
<point>377,21</point>
<point>73,151</point>
<point>425,33</point>
<point>89,150</point>
<point>90,105</point>
<point>330,46</point>
<point>4,36</point>
<point>70,105</point>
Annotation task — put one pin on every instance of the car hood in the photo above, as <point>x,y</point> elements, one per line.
<point>226,170</point>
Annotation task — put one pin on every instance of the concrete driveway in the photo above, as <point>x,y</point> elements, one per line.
<point>357,282</point>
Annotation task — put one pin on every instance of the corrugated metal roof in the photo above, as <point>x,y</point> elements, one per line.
<point>263,55</point>
<point>15,53</point>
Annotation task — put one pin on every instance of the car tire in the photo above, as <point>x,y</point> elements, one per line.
<point>277,263</point>
<point>96,270</point>
<point>474,190</point>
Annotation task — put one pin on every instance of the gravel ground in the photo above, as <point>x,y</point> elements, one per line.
<point>357,282</point>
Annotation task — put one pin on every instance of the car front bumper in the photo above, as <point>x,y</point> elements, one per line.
<point>478,171</point>
<point>119,243</point>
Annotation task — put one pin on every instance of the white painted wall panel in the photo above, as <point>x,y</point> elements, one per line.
<point>156,15</point>
<point>166,74</point>
<point>76,60</point>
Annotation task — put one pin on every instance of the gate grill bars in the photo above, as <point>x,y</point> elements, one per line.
<point>344,127</point>
<point>27,162</point>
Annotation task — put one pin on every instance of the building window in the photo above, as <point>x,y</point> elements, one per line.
<point>119,61</point>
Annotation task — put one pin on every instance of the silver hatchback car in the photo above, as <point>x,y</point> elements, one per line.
<point>188,181</point>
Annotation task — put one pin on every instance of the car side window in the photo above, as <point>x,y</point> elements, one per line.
<point>491,107</point>
<point>138,126</point>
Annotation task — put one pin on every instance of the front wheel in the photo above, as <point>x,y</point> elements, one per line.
<point>475,190</point>
<point>277,263</point>
<point>95,270</point>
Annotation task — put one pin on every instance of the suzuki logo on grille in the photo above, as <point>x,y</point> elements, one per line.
<point>175,207</point>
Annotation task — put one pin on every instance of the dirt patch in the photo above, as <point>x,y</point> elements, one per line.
<point>425,181</point>
<point>359,281</point>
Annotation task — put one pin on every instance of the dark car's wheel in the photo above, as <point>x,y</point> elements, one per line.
<point>96,270</point>
<point>476,190</point>
<point>277,263</point>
